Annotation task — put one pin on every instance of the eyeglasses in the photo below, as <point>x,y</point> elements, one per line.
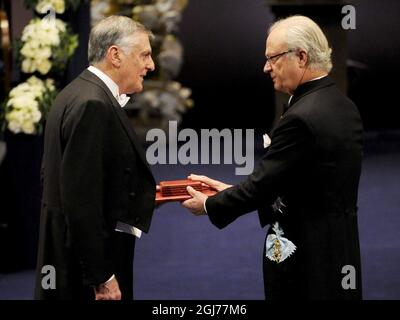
<point>275,58</point>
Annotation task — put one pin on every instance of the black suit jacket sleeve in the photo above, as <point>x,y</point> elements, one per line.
<point>82,187</point>
<point>292,143</point>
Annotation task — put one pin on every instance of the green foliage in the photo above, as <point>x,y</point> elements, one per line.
<point>62,53</point>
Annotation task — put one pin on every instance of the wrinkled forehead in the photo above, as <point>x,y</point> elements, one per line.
<point>276,42</point>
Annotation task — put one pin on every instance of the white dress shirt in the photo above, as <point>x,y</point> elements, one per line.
<point>122,100</point>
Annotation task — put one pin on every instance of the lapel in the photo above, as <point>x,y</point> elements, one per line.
<point>123,118</point>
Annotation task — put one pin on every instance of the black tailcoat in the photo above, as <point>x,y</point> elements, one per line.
<point>94,174</point>
<point>314,165</point>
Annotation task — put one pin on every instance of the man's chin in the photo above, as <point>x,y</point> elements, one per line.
<point>280,88</point>
<point>135,90</point>
<point>138,89</point>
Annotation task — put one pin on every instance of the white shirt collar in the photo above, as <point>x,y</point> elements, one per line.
<point>317,78</point>
<point>111,85</point>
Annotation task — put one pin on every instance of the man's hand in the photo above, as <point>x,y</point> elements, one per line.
<point>108,291</point>
<point>214,184</point>
<point>158,205</point>
<point>196,204</point>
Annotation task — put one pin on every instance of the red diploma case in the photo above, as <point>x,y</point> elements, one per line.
<point>175,190</point>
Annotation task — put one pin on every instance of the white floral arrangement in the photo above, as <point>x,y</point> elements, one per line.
<point>43,6</point>
<point>46,43</point>
<point>170,100</point>
<point>161,14</point>
<point>162,97</point>
<point>28,105</point>
<point>45,47</point>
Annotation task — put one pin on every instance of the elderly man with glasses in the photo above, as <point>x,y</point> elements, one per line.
<point>306,185</point>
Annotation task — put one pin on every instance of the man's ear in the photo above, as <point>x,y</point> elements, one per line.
<point>303,58</point>
<point>113,55</point>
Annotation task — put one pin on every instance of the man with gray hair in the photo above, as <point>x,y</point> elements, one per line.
<point>98,190</point>
<point>306,185</point>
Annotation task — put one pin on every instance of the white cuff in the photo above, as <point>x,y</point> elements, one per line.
<point>204,205</point>
<point>112,277</point>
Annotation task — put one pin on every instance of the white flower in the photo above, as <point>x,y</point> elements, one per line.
<point>28,66</point>
<point>29,50</point>
<point>47,34</point>
<point>148,15</point>
<point>152,98</point>
<point>20,89</point>
<point>16,117</point>
<point>33,81</point>
<point>14,126</point>
<point>37,91</point>
<point>43,66</point>
<point>28,127</point>
<point>36,116</point>
<point>174,85</point>
<point>185,93</point>
<point>23,113</point>
<point>28,32</point>
<point>50,84</point>
<point>59,5</point>
<point>170,58</point>
<point>43,53</point>
<point>170,20</point>
<point>39,37</point>
<point>44,6</point>
<point>25,101</point>
<point>61,26</point>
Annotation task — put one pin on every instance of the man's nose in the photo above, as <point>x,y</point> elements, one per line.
<point>267,67</point>
<point>151,66</point>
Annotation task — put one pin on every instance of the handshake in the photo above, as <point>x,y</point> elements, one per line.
<point>192,192</point>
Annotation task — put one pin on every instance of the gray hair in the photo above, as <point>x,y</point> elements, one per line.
<point>114,30</point>
<point>304,33</point>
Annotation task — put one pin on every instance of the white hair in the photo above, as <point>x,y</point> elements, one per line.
<point>304,33</point>
<point>114,30</point>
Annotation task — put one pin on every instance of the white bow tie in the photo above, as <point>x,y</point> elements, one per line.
<point>123,99</point>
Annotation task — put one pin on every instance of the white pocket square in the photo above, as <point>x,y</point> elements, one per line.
<point>267,140</point>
